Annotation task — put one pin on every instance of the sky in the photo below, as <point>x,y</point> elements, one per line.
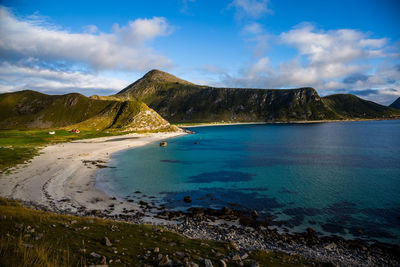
<point>100,47</point>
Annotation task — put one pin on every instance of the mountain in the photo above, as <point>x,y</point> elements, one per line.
<point>396,104</point>
<point>137,107</point>
<point>351,106</point>
<point>180,101</point>
<point>33,110</point>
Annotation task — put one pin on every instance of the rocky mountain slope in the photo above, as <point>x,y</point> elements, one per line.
<point>396,104</point>
<point>33,110</point>
<point>181,101</point>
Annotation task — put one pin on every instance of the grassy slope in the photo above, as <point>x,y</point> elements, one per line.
<point>350,106</point>
<point>33,110</point>
<point>30,109</point>
<point>60,240</point>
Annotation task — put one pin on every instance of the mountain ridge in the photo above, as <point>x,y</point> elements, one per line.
<point>180,101</point>
<point>33,110</point>
<point>158,97</point>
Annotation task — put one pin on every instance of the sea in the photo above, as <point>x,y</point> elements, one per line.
<point>339,178</point>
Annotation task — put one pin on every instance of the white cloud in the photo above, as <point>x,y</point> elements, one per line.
<point>90,29</point>
<point>15,77</point>
<point>253,9</point>
<point>323,56</point>
<point>335,46</point>
<point>125,48</point>
<point>253,28</point>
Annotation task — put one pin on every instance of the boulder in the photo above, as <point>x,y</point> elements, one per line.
<point>187,199</point>
<point>165,261</point>
<point>208,263</point>
<point>254,214</point>
<point>106,242</point>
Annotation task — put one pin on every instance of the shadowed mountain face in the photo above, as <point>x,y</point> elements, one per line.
<point>396,104</point>
<point>33,110</point>
<point>181,101</point>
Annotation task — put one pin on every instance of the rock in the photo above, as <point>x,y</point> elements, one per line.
<point>38,236</point>
<point>330,246</point>
<point>187,199</point>
<point>254,214</point>
<point>104,260</point>
<point>236,257</point>
<point>234,246</point>
<point>95,255</point>
<point>255,264</point>
<point>156,250</point>
<point>191,264</point>
<point>226,211</point>
<point>27,245</point>
<point>244,256</point>
<point>310,231</point>
<point>96,265</point>
<point>165,261</point>
<point>180,254</point>
<point>208,263</point>
<point>222,263</point>
<point>163,143</point>
<point>106,242</point>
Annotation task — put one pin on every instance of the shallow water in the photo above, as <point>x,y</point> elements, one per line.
<point>338,178</point>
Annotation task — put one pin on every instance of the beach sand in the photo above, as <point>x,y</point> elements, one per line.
<point>61,180</point>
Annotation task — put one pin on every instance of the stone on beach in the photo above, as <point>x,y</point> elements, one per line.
<point>187,199</point>
<point>208,263</point>
<point>106,242</point>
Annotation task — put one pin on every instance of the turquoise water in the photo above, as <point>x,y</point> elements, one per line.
<point>338,178</point>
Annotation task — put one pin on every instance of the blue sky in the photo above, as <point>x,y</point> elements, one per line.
<point>99,47</point>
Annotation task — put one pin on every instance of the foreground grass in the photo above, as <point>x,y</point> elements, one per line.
<point>36,238</point>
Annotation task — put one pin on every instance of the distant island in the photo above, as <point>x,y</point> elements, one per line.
<point>159,97</point>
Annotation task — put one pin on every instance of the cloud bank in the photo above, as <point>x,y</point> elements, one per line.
<point>331,61</point>
<point>32,40</point>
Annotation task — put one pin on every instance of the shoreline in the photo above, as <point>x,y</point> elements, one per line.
<point>62,180</point>
<point>62,177</point>
<point>207,124</point>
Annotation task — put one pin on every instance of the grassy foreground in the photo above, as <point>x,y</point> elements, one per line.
<point>37,238</point>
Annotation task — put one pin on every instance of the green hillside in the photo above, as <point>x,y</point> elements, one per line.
<point>33,110</point>
<point>351,106</point>
<point>180,101</point>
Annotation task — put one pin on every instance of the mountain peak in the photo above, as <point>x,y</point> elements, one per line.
<point>150,79</point>
<point>161,76</point>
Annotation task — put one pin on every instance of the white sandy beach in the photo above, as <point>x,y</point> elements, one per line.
<point>59,179</point>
